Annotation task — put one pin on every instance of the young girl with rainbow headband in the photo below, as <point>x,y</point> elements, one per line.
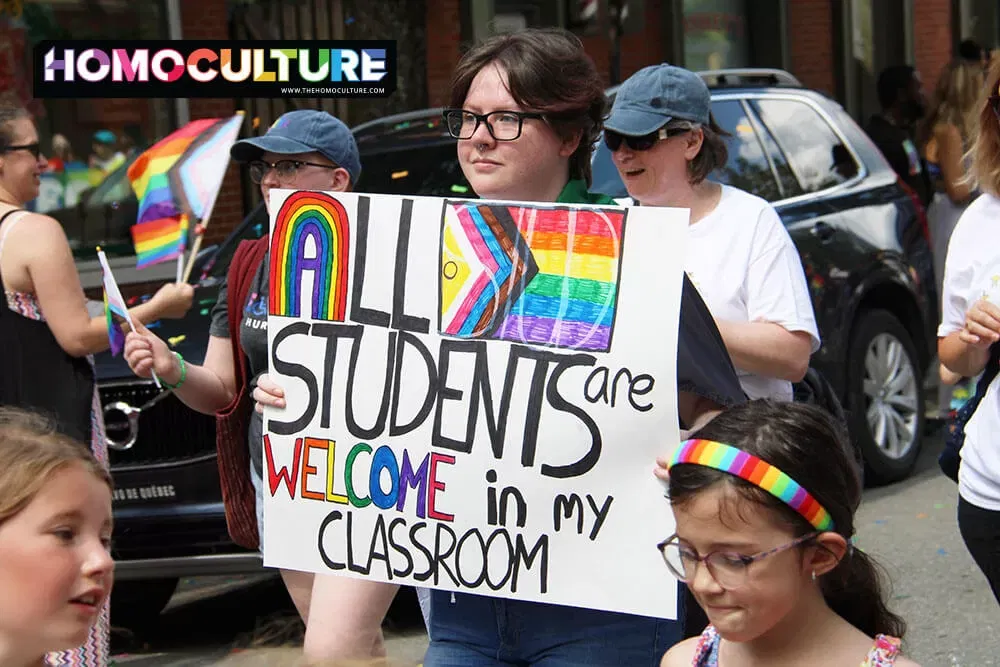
<point>56,569</point>
<point>764,498</point>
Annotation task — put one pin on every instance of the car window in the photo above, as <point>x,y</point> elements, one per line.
<point>254,226</point>
<point>786,177</point>
<point>747,167</point>
<point>422,169</point>
<point>814,151</point>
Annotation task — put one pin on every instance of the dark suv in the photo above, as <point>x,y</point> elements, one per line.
<point>862,238</point>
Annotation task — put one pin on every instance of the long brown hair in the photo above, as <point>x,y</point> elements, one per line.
<point>31,450</point>
<point>810,446</point>
<point>548,72</point>
<point>986,141</point>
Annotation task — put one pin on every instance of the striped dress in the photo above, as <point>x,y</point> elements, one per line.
<point>95,652</point>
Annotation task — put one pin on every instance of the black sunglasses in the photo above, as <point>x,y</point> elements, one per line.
<point>614,139</point>
<point>35,149</point>
<point>994,102</point>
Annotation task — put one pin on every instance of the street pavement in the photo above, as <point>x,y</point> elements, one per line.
<point>910,527</point>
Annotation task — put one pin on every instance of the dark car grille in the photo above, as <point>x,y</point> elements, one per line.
<point>166,430</point>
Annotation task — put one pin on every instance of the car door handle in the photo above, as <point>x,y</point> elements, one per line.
<point>823,231</point>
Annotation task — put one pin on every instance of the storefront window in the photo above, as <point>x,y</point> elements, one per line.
<point>715,34</point>
<point>89,142</point>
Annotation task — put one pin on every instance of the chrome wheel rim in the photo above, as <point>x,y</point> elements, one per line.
<point>891,396</point>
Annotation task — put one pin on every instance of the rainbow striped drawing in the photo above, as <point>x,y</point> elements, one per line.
<point>311,234</point>
<point>540,275</point>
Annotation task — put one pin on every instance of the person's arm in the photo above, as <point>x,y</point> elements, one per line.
<point>767,349</point>
<point>42,243</point>
<point>969,324</point>
<point>778,339</point>
<point>207,388</point>
<point>949,159</point>
<point>967,350</point>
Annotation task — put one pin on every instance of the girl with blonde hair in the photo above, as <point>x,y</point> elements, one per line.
<point>56,569</point>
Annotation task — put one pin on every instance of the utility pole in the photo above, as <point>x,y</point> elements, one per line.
<point>617,14</point>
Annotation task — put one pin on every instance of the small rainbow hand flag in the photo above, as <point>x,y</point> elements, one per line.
<point>115,310</point>
<point>159,240</point>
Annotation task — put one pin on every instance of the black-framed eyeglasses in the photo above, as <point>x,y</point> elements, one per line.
<point>286,169</point>
<point>502,125</point>
<point>614,139</point>
<point>729,569</point>
<point>994,102</point>
<point>35,149</point>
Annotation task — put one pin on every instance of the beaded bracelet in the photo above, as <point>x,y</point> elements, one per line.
<point>183,377</point>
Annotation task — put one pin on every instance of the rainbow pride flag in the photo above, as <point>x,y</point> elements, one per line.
<point>178,176</point>
<point>115,310</point>
<point>540,275</point>
<point>158,240</point>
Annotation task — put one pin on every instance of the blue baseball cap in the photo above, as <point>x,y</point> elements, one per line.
<point>656,95</point>
<point>106,137</point>
<point>304,131</point>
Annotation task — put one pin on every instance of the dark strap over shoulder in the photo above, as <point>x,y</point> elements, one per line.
<point>232,422</point>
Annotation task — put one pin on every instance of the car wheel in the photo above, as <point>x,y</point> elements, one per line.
<point>885,396</point>
<point>139,602</point>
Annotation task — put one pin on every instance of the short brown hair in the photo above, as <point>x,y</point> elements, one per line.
<point>31,450</point>
<point>548,72</point>
<point>713,153</point>
<point>986,143</point>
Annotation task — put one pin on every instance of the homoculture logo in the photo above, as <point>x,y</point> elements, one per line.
<point>214,68</point>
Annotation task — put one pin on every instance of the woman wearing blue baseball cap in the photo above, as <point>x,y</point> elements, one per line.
<point>665,144</point>
<point>526,109</point>
<point>303,150</point>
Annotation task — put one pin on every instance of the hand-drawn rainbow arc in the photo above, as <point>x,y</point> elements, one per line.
<point>310,215</point>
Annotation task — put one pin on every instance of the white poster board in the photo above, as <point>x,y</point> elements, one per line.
<point>476,394</point>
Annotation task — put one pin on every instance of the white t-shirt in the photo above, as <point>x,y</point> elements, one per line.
<point>746,268</point>
<point>972,272</point>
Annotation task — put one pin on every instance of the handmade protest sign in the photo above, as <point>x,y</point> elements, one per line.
<point>476,393</point>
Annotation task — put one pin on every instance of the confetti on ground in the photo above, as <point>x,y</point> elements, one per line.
<point>921,516</point>
<point>942,552</point>
<point>938,506</point>
<point>879,522</point>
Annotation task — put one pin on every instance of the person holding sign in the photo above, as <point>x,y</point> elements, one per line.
<point>775,481</point>
<point>665,143</point>
<point>303,150</point>
<point>46,333</point>
<point>526,110</point>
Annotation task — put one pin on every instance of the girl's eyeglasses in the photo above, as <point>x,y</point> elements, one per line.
<point>994,103</point>
<point>286,169</point>
<point>35,149</point>
<point>614,139</point>
<point>729,569</point>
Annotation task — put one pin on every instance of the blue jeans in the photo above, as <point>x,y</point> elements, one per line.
<point>479,631</point>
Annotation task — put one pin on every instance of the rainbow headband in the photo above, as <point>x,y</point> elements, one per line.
<point>758,472</point>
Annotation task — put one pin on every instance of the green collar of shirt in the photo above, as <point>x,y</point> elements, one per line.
<point>576,192</point>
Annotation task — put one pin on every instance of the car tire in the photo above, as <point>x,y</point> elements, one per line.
<point>885,396</point>
<point>139,602</point>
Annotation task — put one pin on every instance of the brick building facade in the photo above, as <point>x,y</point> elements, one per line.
<point>836,46</point>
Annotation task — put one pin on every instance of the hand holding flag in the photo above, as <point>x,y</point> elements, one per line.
<point>115,310</point>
